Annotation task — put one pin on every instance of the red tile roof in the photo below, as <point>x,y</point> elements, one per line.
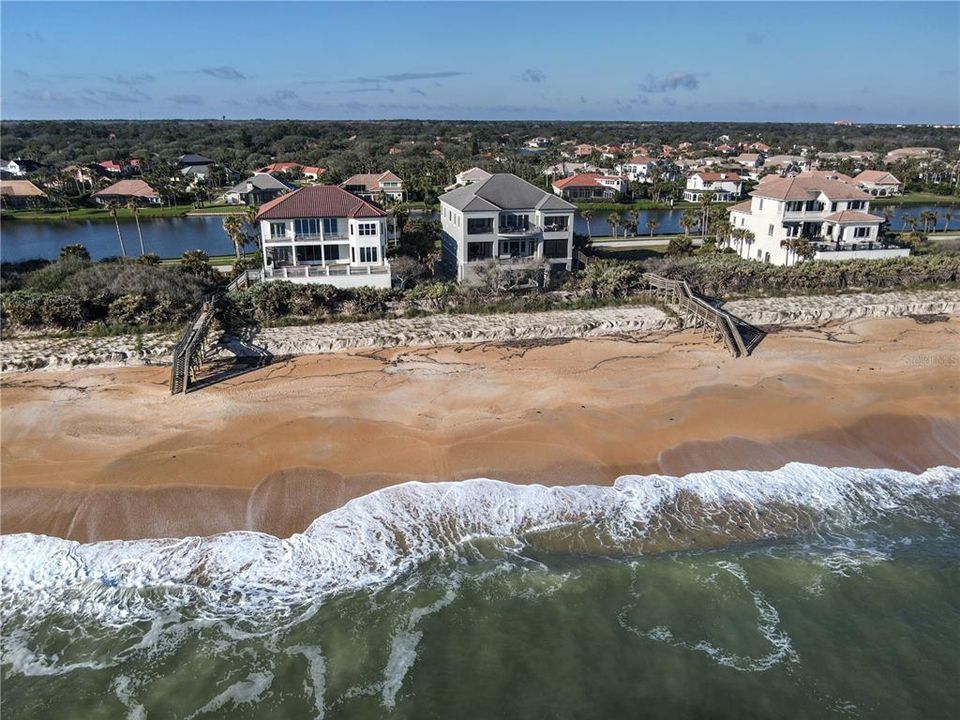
<point>134,188</point>
<point>317,201</point>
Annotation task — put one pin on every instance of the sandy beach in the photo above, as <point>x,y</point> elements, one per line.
<point>107,453</point>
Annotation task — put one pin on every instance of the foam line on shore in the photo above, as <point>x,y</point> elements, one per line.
<point>376,538</point>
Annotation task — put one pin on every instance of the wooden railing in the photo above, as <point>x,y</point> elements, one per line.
<point>696,312</point>
<point>191,350</point>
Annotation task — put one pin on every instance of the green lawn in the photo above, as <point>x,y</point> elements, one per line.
<point>916,199</point>
<point>214,260</point>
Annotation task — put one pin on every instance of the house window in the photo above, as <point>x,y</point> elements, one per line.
<point>770,231</point>
<point>309,254</point>
<point>278,229</point>
<point>279,256</point>
<point>833,207</point>
<point>366,228</point>
<point>331,226</point>
<point>332,252</point>
<point>760,206</point>
<point>307,226</point>
<point>861,232</point>
<point>368,254</point>
<point>479,251</point>
<point>514,221</point>
<point>479,226</point>
<point>555,248</point>
<point>556,223</point>
<point>795,206</point>
<point>855,205</point>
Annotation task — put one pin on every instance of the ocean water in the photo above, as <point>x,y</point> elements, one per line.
<point>804,593</point>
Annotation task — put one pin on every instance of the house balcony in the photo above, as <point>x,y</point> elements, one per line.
<point>519,231</point>
<point>866,250</point>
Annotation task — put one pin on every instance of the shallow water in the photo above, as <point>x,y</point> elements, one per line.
<point>805,592</point>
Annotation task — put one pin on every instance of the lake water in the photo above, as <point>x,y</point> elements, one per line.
<point>167,237</point>
<point>804,593</point>
<point>171,237</point>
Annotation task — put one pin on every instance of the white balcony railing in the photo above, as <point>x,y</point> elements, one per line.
<point>320,271</point>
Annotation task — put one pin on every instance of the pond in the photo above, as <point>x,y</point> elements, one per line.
<point>167,237</point>
<point>171,237</point>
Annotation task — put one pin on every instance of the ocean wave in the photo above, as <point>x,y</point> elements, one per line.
<point>377,538</point>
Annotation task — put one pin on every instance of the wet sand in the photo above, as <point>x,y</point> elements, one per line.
<point>107,453</point>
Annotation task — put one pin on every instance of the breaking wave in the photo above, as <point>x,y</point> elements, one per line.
<point>379,537</point>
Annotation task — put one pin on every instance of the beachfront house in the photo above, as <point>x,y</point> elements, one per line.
<point>878,183</point>
<point>591,186</point>
<point>19,194</point>
<point>324,234</point>
<point>374,185</point>
<point>723,187</point>
<point>256,190</point>
<point>833,216</point>
<point>126,190</point>
<point>504,219</point>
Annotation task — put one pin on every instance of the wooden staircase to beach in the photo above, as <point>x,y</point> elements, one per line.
<point>694,312</point>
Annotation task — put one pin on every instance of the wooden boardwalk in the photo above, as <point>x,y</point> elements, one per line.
<point>695,312</point>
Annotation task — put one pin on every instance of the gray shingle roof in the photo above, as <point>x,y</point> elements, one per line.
<point>261,181</point>
<point>503,191</point>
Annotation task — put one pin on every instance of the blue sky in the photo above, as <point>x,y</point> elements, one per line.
<point>869,62</point>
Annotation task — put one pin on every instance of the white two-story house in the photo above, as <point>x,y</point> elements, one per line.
<point>323,234</point>
<point>504,219</point>
<point>637,169</point>
<point>723,187</point>
<point>833,215</point>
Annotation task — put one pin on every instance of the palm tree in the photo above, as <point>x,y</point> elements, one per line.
<point>250,217</point>
<point>706,200</point>
<point>947,219</point>
<point>928,218</point>
<point>652,224</point>
<point>633,219</point>
<point>113,207</point>
<point>134,205</point>
<point>587,214</point>
<point>790,245</point>
<point>615,221</point>
<point>233,225</point>
<point>687,221</point>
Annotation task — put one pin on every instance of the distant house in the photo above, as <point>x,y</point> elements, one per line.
<point>369,186</point>
<point>466,177</point>
<point>324,234</point>
<point>256,190</point>
<point>784,164</point>
<point>913,153</point>
<point>590,186</point>
<point>638,168</point>
<point>193,159</point>
<point>538,142</point>
<point>583,150</point>
<point>878,183</point>
<point>126,190</point>
<point>312,172</point>
<point>504,219</point>
<point>723,187</point>
<point>111,166</point>
<point>17,194</point>
<point>18,168</point>
<point>566,169</point>
<point>281,167</point>
<point>759,147</point>
<point>749,160</point>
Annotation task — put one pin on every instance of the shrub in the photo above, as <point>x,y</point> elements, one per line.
<point>127,309</point>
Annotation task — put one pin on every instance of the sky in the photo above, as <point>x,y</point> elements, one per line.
<point>883,62</point>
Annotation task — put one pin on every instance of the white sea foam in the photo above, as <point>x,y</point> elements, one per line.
<point>243,692</point>
<point>378,537</point>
